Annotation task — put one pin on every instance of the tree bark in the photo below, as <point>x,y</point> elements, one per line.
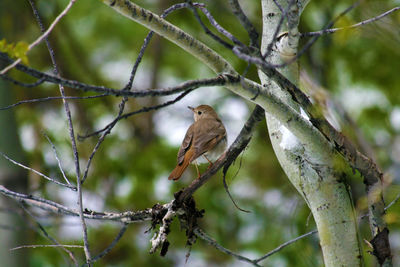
<point>316,177</point>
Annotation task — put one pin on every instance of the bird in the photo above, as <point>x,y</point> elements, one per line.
<point>205,138</point>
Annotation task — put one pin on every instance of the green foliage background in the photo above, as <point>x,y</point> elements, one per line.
<point>133,163</point>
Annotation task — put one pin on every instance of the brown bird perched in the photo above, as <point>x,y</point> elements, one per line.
<point>205,137</point>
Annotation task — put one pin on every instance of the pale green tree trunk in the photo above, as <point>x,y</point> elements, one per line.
<point>315,176</point>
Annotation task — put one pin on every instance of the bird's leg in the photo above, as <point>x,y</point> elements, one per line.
<point>209,161</point>
<point>197,169</point>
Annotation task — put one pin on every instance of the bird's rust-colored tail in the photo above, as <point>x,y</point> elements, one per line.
<point>180,168</point>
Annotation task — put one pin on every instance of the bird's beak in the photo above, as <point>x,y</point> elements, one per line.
<point>191,108</point>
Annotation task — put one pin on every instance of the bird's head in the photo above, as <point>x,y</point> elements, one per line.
<point>203,112</point>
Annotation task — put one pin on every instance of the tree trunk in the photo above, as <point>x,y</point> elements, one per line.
<point>317,177</point>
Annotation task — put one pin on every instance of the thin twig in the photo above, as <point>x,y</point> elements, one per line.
<point>46,246</point>
<point>393,202</point>
<point>207,30</point>
<point>37,172</point>
<point>201,234</point>
<point>56,156</point>
<point>36,100</point>
<point>112,244</point>
<point>47,235</point>
<point>246,23</point>
<point>41,37</point>
<point>219,28</point>
<point>362,23</point>
<point>70,124</point>
<point>27,85</point>
<point>280,247</point>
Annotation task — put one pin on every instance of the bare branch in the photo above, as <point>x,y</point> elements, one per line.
<point>246,23</point>
<point>112,244</point>
<point>280,247</point>
<point>56,156</point>
<point>394,201</point>
<point>219,28</point>
<point>220,80</point>
<point>36,100</point>
<point>207,30</point>
<point>51,206</point>
<point>362,23</point>
<point>70,124</point>
<point>200,233</point>
<point>46,246</point>
<point>27,85</point>
<point>37,172</point>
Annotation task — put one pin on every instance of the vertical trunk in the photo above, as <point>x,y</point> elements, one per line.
<point>317,179</point>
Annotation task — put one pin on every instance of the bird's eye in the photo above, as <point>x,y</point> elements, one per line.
<point>199,112</point>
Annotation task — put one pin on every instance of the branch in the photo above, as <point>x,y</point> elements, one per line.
<point>27,85</point>
<point>58,160</point>
<point>219,28</point>
<point>200,233</point>
<point>362,23</point>
<point>193,84</point>
<point>54,207</point>
<point>69,119</point>
<point>38,173</point>
<point>280,247</point>
<point>46,246</point>
<point>112,244</point>
<point>128,217</point>
<point>36,100</point>
<point>246,23</point>
<point>207,30</point>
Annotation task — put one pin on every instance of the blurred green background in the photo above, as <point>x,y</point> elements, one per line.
<point>357,71</point>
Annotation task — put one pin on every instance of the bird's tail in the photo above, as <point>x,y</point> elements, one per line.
<point>180,168</point>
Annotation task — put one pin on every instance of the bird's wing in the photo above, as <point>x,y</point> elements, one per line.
<point>186,143</point>
<point>211,132</point>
